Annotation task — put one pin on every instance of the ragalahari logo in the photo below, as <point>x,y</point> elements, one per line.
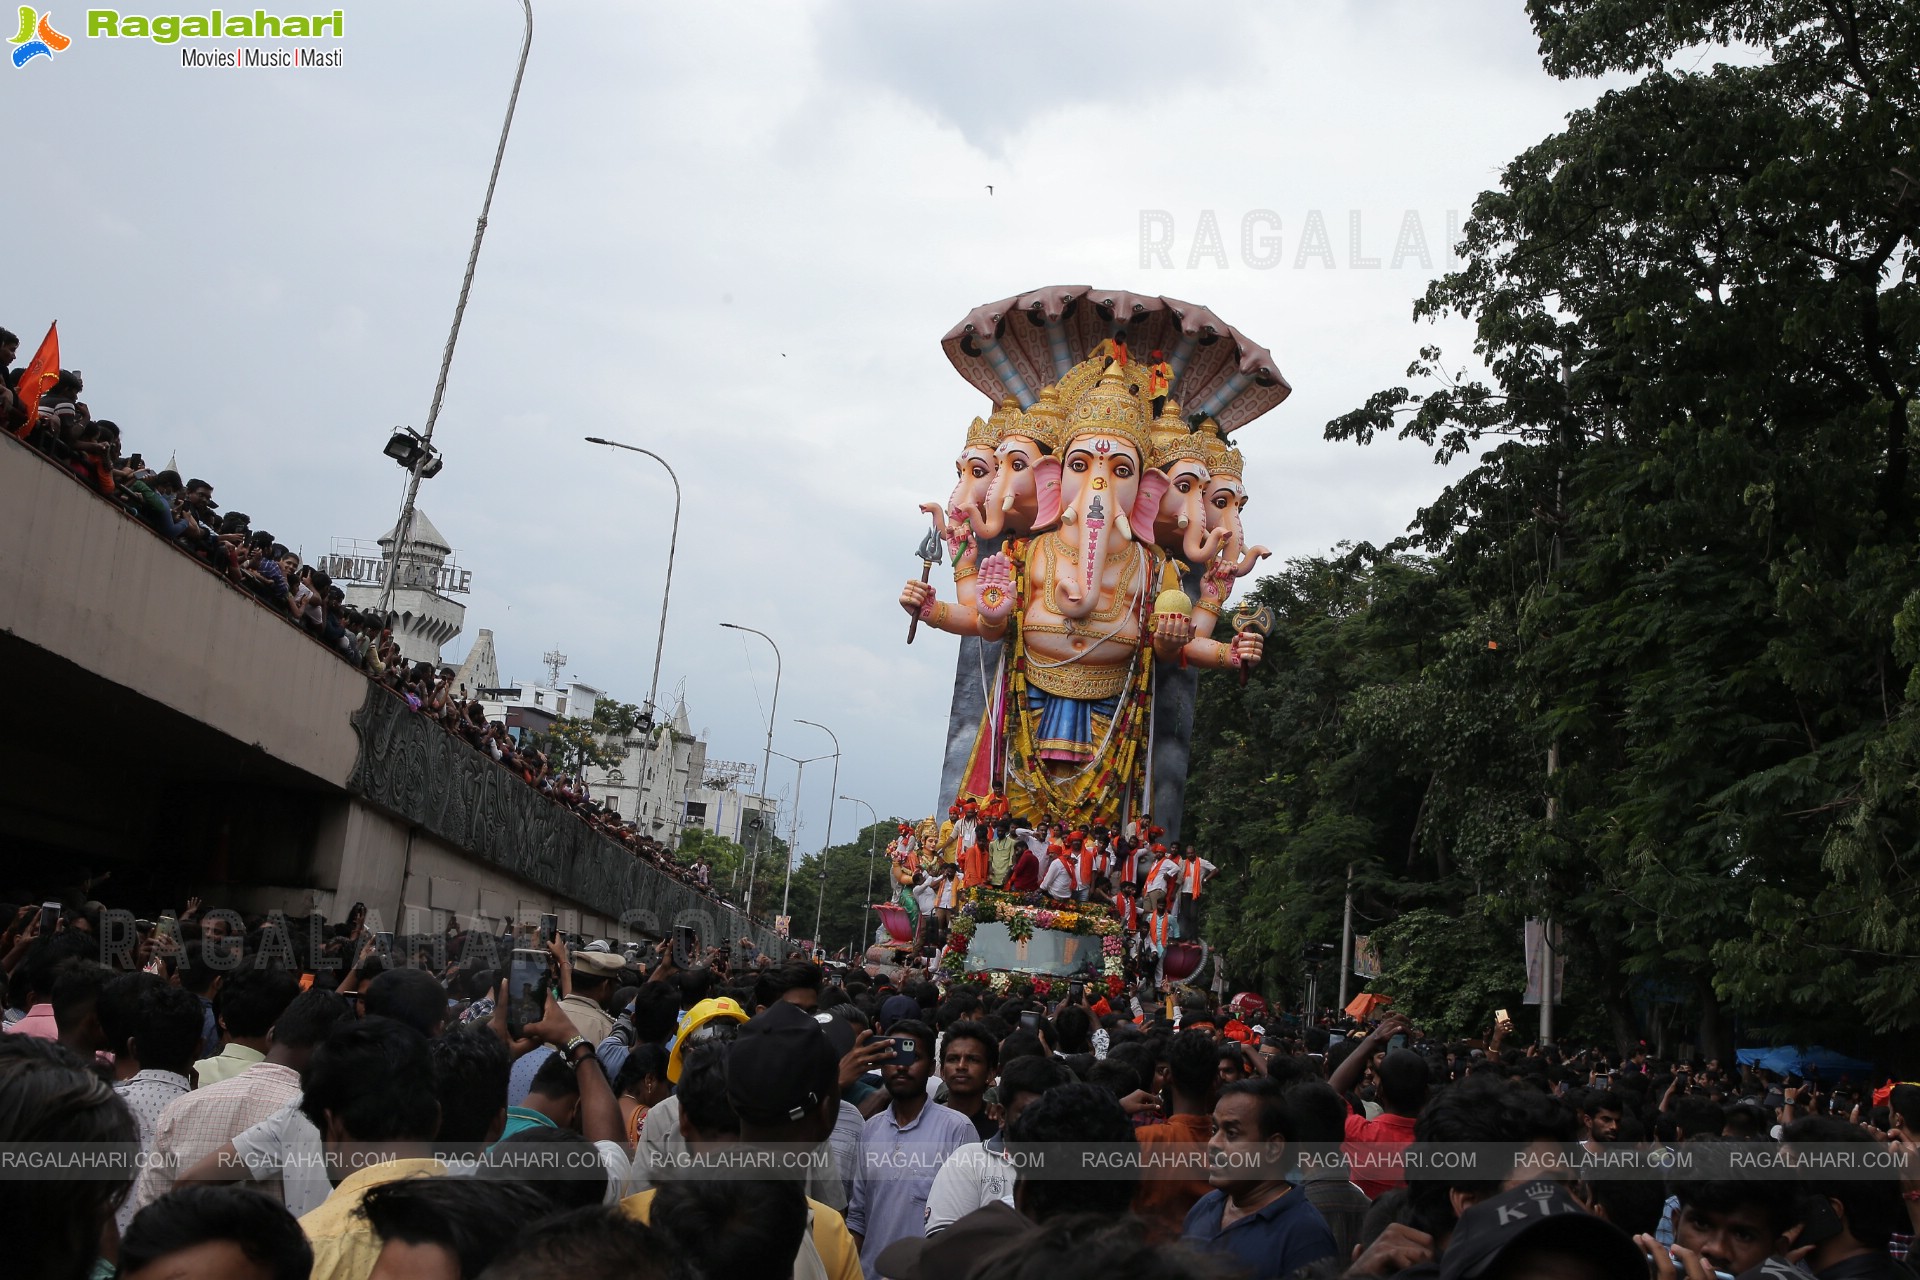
<point>37,38</point>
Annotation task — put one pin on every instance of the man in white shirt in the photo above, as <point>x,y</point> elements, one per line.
<point>980,1173</point>
<point>153,1030</point>
<point>214,1116</point>
<point>1194,873</point>
<point>1163,872</point>
<point>1057,881</point>
<point>924,895</point>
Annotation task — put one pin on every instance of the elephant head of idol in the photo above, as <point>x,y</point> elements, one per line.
<point>1225,501</point>
<point>973,475</point>
<point>1109,497</point>
<point>1025,494</point>
<point>1180,451</point>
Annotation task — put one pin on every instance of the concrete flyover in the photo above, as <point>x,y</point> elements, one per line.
<point>177,733</point>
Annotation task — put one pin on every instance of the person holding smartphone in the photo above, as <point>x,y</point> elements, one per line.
<point>901,1148</point>
<point>1402,1092</point>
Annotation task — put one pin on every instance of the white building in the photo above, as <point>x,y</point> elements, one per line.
<point>663,782</point>
<point>422,617</point>
<point>535,707</point>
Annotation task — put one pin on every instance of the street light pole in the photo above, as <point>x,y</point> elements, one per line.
<point>404,529</point>
<point>673,544</point>
<point>873,851</point>
<point>654,736</point>
<point>766,763</point>
<point>793,839</point>
<point>820,900</point>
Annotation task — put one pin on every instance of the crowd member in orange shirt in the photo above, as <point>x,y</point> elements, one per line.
<point>973,858</point>
<point>1372,1145</point>
<point>1163,1201</point>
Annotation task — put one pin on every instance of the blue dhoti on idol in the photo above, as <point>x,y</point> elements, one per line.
<point>1070,729</point>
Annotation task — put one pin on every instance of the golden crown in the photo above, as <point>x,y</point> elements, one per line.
<point>1079,380</point>
<point>1222,458</point>
<point>1042,423</point>
<point>1173,439</point>
<point>986,435</point>
<point>1111,408</point>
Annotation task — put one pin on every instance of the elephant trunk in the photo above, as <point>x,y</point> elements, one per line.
<point>1200,544</point>
<point>957,500</point>
<point>1242,558</point>
<point>1079,597</point>
<point>989,519</point>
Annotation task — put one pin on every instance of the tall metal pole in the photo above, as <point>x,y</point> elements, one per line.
<point>655,737</point>
<point>404,528</point>
<point>793,841</point>
<point>1553,759</point>
<point>673,545</point>
<point>1346,939</point>
<point>820,901</point>
<point>793,832</point>
<point>873,852</point>
<point>766,763</point>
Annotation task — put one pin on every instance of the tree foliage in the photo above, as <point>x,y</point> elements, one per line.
<point>571,744</point>
<point>729,865</point>
<point>1681,568</point>
<point>846,879</point>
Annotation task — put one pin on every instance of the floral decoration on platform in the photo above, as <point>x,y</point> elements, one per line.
<point>1024,913</point>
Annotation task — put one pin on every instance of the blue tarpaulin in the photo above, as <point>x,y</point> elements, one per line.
<point>1791,1060</point>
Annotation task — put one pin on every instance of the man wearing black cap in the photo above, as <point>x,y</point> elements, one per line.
<point>782,1093</point>
<point>1538,1230</point>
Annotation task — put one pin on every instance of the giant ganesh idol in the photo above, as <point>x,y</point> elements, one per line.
<point>1079,551</point>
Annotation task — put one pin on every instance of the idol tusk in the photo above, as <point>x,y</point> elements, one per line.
<point>1069,515</point>
<point>1125,527</point>
<point>1006,503</point>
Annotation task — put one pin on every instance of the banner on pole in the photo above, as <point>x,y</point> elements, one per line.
<point>1366,962</point>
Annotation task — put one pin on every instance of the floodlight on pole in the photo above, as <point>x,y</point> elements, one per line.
<point>426,463</point>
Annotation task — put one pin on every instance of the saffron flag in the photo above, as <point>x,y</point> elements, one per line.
<point>40,375</point>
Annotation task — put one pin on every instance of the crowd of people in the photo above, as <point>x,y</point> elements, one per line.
<point>63,430</point>
<point>1154,889</point>
<point>346,1109</point>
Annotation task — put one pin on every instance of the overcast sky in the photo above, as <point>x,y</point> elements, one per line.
<point>735,234</point>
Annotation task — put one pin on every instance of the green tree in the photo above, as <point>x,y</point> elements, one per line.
<point>728,863</point>
<point>842,880</point>
<point>611,716</point>
<point>571,745</point>
<point>1664,692</point>
<point>1449,972</point>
